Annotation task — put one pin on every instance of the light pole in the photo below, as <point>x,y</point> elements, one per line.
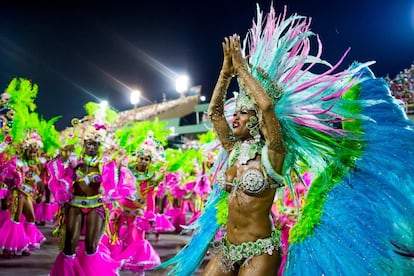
<point>134,97</point>
<point>182,84</point>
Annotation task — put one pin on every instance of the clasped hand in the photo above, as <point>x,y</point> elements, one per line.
<point>233,57</point>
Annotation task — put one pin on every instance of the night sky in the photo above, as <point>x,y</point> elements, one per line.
<point>79,52</point>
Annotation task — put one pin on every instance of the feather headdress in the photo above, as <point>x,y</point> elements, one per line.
<point>27,126</point>
<point>144,135</point>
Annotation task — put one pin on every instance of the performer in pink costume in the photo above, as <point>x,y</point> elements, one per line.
<point>201,189</point>
<point>151,152</point>
<point>4,205</point>
<point>173,192</point>
<point>137,252</point>
<point>6,121</point>
<point>175,210</point>
<point>22,175</point>
<point>130,217</point>
<point>186,199</point>
<point>45,207</point>
<point>84,211</point>
<point>161,195</point>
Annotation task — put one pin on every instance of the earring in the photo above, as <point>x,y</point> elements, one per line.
<point>257,138</point>
<point>253,127</point>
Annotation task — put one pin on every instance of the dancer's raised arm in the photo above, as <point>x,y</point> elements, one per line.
<point>216,108</point>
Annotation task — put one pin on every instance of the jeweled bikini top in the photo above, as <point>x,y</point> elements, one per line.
<point>93,176</point>
<point>252,181</point>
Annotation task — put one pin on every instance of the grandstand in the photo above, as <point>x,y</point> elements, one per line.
<point>170,111</point>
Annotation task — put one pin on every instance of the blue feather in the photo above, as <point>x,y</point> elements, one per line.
<point>367,226</point>
<point>205,228</point>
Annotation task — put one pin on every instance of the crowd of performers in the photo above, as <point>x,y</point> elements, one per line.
<point>103,192</point>
<point>103,198</point>
<point>308,178</point>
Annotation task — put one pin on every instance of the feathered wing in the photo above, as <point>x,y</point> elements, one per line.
<point>359,212</point>
<point>362,216</point>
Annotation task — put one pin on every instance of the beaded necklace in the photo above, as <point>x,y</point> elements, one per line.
<point>142,176</point>
<point>246,150</point>
<point>31,169</point>
<point>30,163</point>
<point>90,161</point>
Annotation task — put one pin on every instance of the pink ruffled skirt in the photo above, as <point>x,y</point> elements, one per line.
<point>36,238</point>
<point>139,256</point>
<point>45,211</point>
<point>13,236</point>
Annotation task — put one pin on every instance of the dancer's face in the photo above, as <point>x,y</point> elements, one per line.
<point>32,153</point>
<point>239,123</point>
<point>143,162</point>
<point>91,147</point>
<point>66,151</point>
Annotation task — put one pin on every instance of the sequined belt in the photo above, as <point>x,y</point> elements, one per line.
<point>87,201</point>
<point>232,254</point>
<point>27,190</point>
<point>128,211</point>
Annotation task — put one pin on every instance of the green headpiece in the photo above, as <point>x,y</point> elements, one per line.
<point>243,100</point>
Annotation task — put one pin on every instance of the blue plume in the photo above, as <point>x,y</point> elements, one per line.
<point>205,228</point>
<point>367,226</point>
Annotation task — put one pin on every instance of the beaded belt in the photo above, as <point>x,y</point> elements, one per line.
<point>27,190</point>
<point>128,211</point>
<point>87,201</point>
<point>232,254</point>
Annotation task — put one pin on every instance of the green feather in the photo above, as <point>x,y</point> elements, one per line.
<point>317,194</point>
<point>132,135</point>
<point>92,109</point>
<point>222,208</point>
<point>207,137</point>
